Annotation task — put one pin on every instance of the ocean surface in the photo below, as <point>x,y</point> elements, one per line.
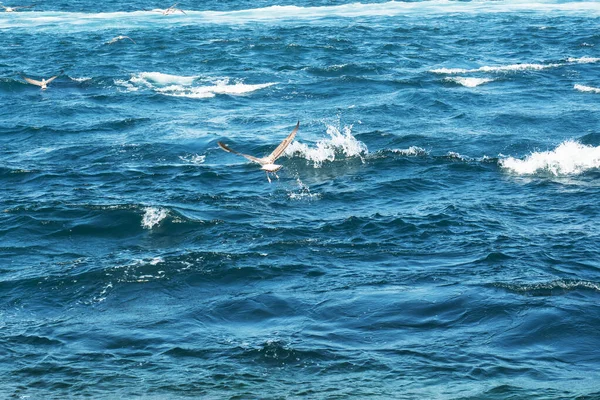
<point>433,233</point>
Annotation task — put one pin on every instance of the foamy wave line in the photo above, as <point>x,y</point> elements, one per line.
<point>184,86</point>
<point>158,78</point>
<point>502,68</point>
<point>569,158</point>
<point>587,89</point>
<point>211,91</point>
<point>79,21</point>
<point>411,151</point>
<point>515,67</point>
<point>469,82</point>
<point>554,285</point>
<point>153,216</point>
<point>339,142</point>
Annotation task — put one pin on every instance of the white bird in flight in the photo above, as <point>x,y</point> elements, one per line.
<point>172,10</point>
<point>120,37</point>
<point>13,9</point>
<point>43,83</point>
<point>267,163</point>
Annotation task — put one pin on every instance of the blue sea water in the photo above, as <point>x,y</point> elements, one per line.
<point>433,232</point>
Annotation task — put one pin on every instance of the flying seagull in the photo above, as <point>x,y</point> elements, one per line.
<point>267,163</point>
<point>172,10</point>
<point>120,37</point>
<point>13,9</point>
<point>43,83</point>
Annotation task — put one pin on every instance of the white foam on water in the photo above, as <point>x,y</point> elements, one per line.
<point>187,86</point>
<point>82,79</point>
<point>568,158</point>
<point>457,156</point>
<point>201,92</point>
<point>153,216</point>
<point>62,21</point>
<point>584,60</point>
<point>340,142</point>
<point>193,159</point>
<point>587,89</point>
<point>469,82</point>
<point>496,69</point>
<point>514,67</point>
<point>411,151</point>
<point>129,87</point>
<point>158,78</point>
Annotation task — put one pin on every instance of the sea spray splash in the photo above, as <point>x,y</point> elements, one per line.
<point>569,158</point>
<point>153,216</point>
<point>303,192</point>
<point>339,142</point>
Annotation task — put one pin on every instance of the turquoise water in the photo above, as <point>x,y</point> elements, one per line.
<point>432,234</point>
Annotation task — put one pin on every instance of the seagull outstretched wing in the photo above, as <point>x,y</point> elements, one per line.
<point>282,146</point>
<point>249,157</point>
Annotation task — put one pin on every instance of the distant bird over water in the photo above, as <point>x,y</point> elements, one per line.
<point>120,37</point>
<point>267,163</point>
<point>13,9</point>
<point>43,83</point>
<point>172,10</point>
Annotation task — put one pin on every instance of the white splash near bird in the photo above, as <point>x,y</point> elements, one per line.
<point>267,163</point>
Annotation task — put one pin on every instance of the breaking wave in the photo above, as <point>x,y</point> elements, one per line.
<point>187,86</point>
<point>469,82</point>
<point>514,67</point>
<point>340,142</point>
<point>153,216</point>
<point>569,158</point>
<point>411,151</point>
<point>587,89</point>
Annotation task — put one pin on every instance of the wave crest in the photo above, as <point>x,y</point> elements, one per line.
<point>186,86</point>
<point>587,89</point>
<point>339,142</point>
<point>468,82</point>
<point>569,158</point>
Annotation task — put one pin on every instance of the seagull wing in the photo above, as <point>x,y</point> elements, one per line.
<point>32,81</point>
<point>229,150</point>
<point>51,79</point>
<point>21,7</point>
<point>127,37</point>
<point>183,11</point>
<point>283,145</point>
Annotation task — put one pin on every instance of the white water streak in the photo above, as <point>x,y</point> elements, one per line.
<point>187,86</point>
<point>81,21</point>
<point>587,89</point>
